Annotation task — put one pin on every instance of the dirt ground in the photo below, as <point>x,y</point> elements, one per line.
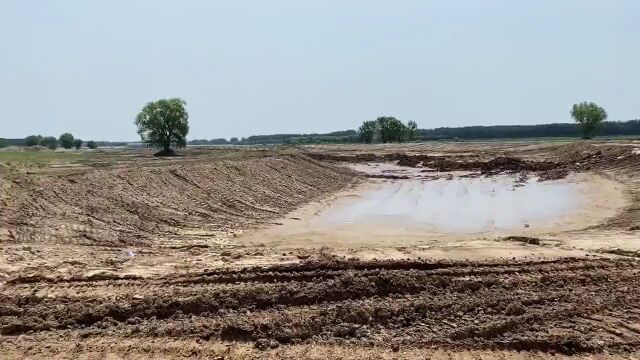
<point>117,254</point>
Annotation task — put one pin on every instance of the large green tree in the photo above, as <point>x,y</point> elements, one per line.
<point>66,140</point>
<point>387,129</point>
<point>163,124</point>
<point>33,140</point>
<point>367,131</point>
<point>50,142</point>
<point>589,116</point>
<point>391,129</point>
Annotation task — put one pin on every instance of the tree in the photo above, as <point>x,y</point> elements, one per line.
<point>77,143</point>
<point>391,129</point>
<point>412,130</point>
<point>66,140</point>
<point>164,123</point>
<point>92,144</point>
<point>589,116</point>
<point>233,140</point>
<point>367,131</point>
<point>33,140</point>
<point>50,142</point>
<point>3,143</point>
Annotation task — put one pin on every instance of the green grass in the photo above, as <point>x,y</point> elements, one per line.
<point>38,157</point>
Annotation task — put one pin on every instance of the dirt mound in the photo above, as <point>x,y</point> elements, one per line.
<point>177,202</point>
<point>549,306</point>
<point>446,163</point>
<point>576,151</point>
<point>553,174</point>
<point>166,152</point>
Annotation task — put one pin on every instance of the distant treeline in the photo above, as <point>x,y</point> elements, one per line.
<point>336,137</point>
<point>608,128</point>
<point>22,142</point>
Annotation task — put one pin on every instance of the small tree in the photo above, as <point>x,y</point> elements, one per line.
<point>66,140</point>
<point>50,142</point>
<point>367,131</point>
<point>33,140</point>
<point>92,144</point>
<point>412,130</point>
<point>164,123</point>
<point>589,116</point>
<point>77,143</point>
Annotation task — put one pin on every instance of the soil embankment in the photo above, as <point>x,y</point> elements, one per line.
<point>152,205</point>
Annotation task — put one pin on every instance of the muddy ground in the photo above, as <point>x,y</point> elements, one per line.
<point>118,254</point>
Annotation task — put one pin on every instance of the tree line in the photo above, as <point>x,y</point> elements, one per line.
<point>164,124</point>
<point>66,140</point>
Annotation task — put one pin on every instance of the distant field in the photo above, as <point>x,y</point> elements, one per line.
<point>38,157</point>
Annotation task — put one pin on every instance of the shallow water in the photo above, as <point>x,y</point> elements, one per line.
<point>459,205</point>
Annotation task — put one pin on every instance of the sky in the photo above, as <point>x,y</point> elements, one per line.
<point>291,66</point>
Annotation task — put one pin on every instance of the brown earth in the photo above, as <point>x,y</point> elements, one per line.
<point>175,203</point>
<point>122,255</point>
<point>566,306</point>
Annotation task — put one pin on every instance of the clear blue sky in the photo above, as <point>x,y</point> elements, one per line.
<point>261,67</point>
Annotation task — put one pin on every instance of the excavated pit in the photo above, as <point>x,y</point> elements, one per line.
<point>415,205</point>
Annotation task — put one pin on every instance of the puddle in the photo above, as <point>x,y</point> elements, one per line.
<point>459,205</point>
<point>443,209</point>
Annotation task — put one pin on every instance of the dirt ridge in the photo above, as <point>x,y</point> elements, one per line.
<point>137,206</point>
<point>471,305</point>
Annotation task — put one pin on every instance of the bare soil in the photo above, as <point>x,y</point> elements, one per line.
<point>123,255</point>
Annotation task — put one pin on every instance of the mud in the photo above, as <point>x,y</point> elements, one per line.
<point>446,163</point>
<point>568,306</point>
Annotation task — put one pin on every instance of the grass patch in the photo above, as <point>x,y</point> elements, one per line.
<point>38,157</point>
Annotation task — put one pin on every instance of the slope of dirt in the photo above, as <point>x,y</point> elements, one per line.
<point>570,305</point>
<point>445,163</point>
<point>135,205</point>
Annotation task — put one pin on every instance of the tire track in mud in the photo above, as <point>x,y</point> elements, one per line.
<point>325,267</point>
<point>564,305</point>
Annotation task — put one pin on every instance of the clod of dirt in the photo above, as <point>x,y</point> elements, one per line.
<point>262,344</point>
<point>524,239</point>
<point>553,174</point>
<point>411,161</point>
<point>166,152</point>
<point>515,309</point>
<point>266,344</point>
<point>387,176</point>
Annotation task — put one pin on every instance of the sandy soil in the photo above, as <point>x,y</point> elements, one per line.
<point>119,254</point>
